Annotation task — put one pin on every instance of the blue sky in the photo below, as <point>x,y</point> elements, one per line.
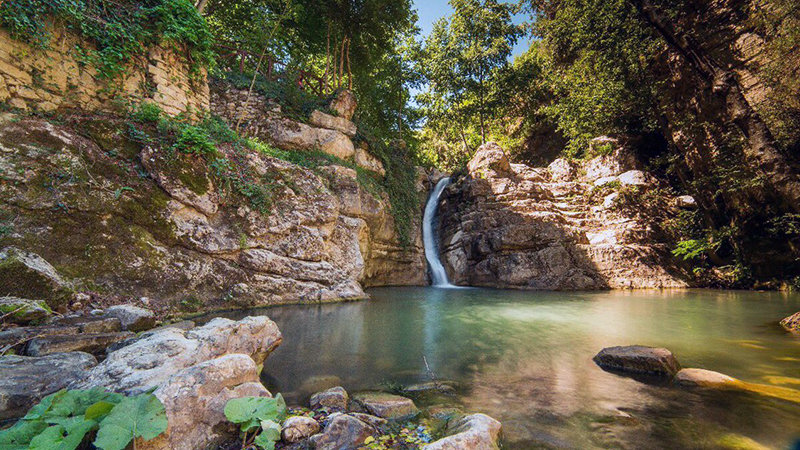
<point>432,10</point>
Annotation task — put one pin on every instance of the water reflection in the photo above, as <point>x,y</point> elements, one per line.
<point>526,359</point>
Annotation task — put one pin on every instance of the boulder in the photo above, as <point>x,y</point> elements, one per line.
<point>562,170</point>
<point>343,432</point>
<point>28,275</point>
<point>637,359</point>
<point>26,380</point>
<point>132,317</point>
<point>151,361</point>
<point>490,159</point>
<point>473,432</point>
<point>369,419</point>
<point>334,398</point>
<point>792,323</point>
<point>345,104</point>
<point>95,344</point>
<point>702,378</point>
<point>22,311</point>
<point>195,399</point>
<point>298,428</point>
<point>686,202</point>
<point>89,324</point>
<point>322,120</point>
<point>387,406</point>
<point>335,143</point>
<point>634,178</point>
<point>366,161</point>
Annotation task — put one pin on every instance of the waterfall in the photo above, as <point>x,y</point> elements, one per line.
<point>438,274</point>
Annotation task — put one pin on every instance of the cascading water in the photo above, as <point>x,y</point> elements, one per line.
<point>438,274</point>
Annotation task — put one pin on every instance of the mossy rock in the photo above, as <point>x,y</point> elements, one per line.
<point>22,311</point>
<point>27,275</point>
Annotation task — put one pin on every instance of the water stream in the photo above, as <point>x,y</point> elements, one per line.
<point>526,359</point>
<point>438,274</point>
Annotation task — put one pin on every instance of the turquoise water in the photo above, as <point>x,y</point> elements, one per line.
<point>526,359</point>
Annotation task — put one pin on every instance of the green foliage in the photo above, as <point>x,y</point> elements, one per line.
<point>295,102</point>
<point>258,415</point>
<point>120,30</point>
<point>194,140</point>
<point>64,420</point>
<point>692,249</point>
<point>148,112</point>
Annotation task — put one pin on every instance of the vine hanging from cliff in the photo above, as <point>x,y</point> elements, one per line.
<point>119,30</point>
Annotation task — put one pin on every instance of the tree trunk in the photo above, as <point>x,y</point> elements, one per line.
<point>327,61</point>
<point>761,147</point>
<point>349,69</point>
<point>201,6</point>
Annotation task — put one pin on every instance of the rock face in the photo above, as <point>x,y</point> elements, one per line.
<point>172,237</point>
<point>637,359</point>
<point>151,361</point>
<point>26,380</point>
<point>511,226</point>
<point>28,275</point>
<point>473,432</point>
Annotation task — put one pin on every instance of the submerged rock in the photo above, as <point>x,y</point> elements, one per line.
<point>792,323</point>
<point>703,378</point>
<point>639,359</point>
<point>22,311</point>
<point>26,380</point>
<point>334,398</point>
<point>344,432</point>
<point>28,275</point>
<point>132,317</point>
<point>298,428</point>
<point>387,406</point>
<point>473,432</point>
<point>151,361</point>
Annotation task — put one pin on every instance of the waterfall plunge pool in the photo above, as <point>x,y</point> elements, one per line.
<point>525,358</point>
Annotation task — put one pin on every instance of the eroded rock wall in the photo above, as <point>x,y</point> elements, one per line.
<point>126,222</point>
<point>511,226</point>
<point>57,78</point>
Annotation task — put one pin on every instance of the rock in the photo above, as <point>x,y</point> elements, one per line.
<point>702,378</point>
<point>151,361</point>
<point>366,161</point>
<point>605,180</point>
<point>792,323</point>
<point>322,120</point>
<point>318,383</point>
<point>28,275</point>
<point>26,380</point>
<point>686,202</point>
<point>334,399</point>
<point>562,170</point>
<point>335,143</point>
<point>298,428</point>
<point>95,344</point>
<point>610,200</point>
<point>369,419</point>
<point>431,387</point>
<point>639,359</point>
<point>195,399</point>
<point>343,432</point>
<point>21,311</point>
<point>132,317</point>
<point>473,432</point>
<point>387,406</point>
<point>490,159</point>
<point>634,178</point>
<point>90,324</point>
<point>344,104</point>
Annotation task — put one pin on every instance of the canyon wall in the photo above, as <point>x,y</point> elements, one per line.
<point>511,226</point>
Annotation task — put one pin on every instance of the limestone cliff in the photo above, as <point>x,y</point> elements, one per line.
<point>511,226</point>
<point>122,220</point>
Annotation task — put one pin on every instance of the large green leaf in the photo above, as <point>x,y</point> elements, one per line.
<point>59,437</point>
<point>270,434</point>
<point>142,416</point>
<point>248,412</point>
<point>20,435</point>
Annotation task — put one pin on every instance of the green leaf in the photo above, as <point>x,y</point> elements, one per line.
<point>142,416</point>
<point>270,434</point>
<point>99,410</point>
<point>58,437</point>
<point>20,434</point>
<point>250,411</point>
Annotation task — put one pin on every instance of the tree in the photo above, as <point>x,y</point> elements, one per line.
<point>462,61</point>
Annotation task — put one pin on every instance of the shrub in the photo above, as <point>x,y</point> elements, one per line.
<point>148,112</point>
<point>194,140</point>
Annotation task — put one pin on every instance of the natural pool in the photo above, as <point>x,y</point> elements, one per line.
<point>525,358</point>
